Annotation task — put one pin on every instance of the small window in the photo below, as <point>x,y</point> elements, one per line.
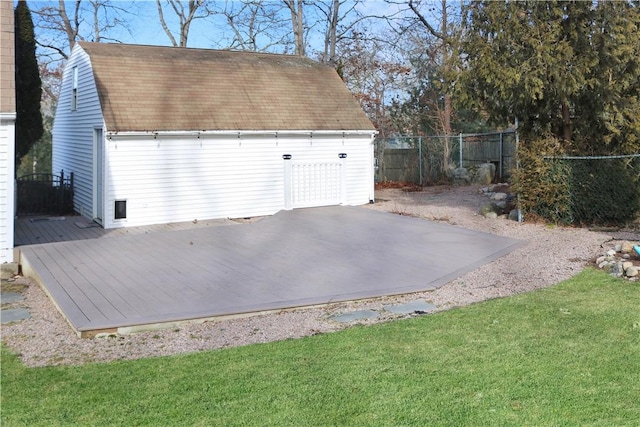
<point>74,92</point>
<point>121,209</point>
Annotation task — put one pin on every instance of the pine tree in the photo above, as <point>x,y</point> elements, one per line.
<point>565,69</point>
<point>29,126</point>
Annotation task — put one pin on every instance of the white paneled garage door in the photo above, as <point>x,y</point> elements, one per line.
<point>314,184</point>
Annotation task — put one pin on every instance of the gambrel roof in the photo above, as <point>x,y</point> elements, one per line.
<point>153,88</point>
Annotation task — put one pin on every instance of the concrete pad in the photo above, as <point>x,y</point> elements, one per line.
<point>410,307</point>
<point>14,315</point>
<point>9,297</point>
<point>291,259</point>
<point>355,315</point>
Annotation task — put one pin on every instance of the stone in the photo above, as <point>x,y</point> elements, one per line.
<point>499,196</point>
<point>603,264</point>
<point>14,315</point>
<point>461,176</point>
<point>410,308</point>
<point>626,256</point>
<point>618,248</point>
<point>485,173</point>
<point>355,315</point>
<point>9,270</point>
<point>626,248</point>
<point>514,214</point>
<point>615,269</point>
<point>9,297</point>
<point>460,173</point>
<point>601,259</point>
<point>491,215</point>
<point>632,271</point>
<point>626,265</point>
<point>611,252</point>
<point>491,208</point>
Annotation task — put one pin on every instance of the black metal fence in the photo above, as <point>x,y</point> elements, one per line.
<point>48,194</point>
<point>426,160</point>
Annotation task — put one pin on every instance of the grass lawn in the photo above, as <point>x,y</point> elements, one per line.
<point>567,355</point>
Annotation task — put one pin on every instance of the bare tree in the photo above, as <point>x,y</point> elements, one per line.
<point>446,43</point>
<point>254,25</point>
<point>372,73</point>
<point>338,18</point>
<point>59,26</point>
<point>296,8</point>
<point>186,13</point>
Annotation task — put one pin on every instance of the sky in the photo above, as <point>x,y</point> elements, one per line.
<point>144,25</point>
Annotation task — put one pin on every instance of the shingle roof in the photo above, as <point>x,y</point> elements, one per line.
<point>153,88</point>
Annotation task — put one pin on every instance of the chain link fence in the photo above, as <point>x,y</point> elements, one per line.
<point>429,160</point>
<point>602,190</point>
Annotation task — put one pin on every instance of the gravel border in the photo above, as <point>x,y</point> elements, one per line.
<point>552,254</point>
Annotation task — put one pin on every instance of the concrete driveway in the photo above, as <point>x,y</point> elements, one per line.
<point>292,259</point>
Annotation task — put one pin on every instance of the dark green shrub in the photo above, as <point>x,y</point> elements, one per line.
<point>585,191</point>
<point>605,191</point>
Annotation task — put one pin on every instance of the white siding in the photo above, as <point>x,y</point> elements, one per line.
<point>7,196</point>
<point>73,130</point>
<point>173,178</point>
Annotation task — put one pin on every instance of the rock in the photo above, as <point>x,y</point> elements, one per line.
<point>600,259</point>
<point>461,176</point>
<point>611,252</point>
<point>618,248</point>
<point>499,196</point>
<point>491,208</point>
<point>615,269</point>
<point>626,265</point>
<point>491,215</point>
<point>603,264</point>
<point>14,315</point>
<point>8,270</point>
<point>514,214</point>
<point>626,248</point>
<point>485,173</point>
<point>626,256</point>
<point>10,297</point>
<point>632,271</point>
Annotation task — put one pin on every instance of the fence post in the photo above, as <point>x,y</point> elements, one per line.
<point>61,193</point>
<point>420,157</point>
<point>460,145</point>
<point>519,205</point>
<point>500,159</point>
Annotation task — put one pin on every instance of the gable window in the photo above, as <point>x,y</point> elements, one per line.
<point>74,92</point>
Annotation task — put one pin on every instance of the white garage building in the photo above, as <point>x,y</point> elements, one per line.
<point>162,134</point>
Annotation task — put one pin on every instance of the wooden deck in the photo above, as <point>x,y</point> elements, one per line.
<point>33,230</point>
<point>139,280</point>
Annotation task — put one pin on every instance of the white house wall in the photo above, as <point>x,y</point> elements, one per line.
<point>73,130</point>
<point>7,197</point>
<point>181,178</point>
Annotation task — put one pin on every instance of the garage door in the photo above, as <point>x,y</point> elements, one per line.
<point>314,184</point>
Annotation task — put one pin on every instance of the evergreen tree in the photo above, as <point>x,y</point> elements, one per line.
<point>562,68</point>
<point>29,126</point>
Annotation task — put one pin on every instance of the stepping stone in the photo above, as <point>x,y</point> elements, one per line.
<point>9,297</point>
<point>13,315</point>
<point>355,315</point>
<point>410,308</point>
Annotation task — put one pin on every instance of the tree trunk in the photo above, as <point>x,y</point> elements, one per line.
<point>297,22</point>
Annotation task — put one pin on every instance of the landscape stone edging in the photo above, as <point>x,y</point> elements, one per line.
<point>622,261</point>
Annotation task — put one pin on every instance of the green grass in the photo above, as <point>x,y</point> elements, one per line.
<point>567,355</point>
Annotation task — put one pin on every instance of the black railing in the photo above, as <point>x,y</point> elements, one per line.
<point>41,193</point>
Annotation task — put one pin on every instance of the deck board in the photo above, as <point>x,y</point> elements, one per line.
<point>292,259</point>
